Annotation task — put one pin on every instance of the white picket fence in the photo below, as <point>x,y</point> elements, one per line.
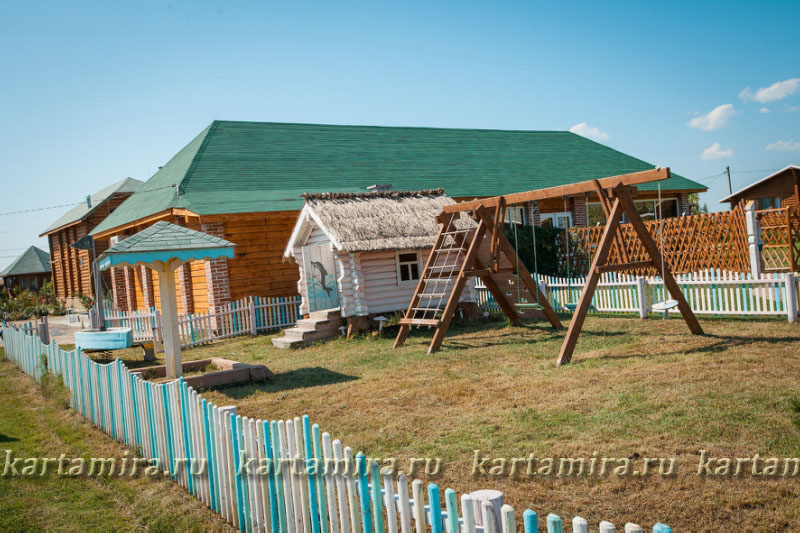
<point>247,316</point>
<point>297,490</point>
<point>708,293</point>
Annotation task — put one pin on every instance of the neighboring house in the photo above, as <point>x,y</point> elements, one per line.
<point>364,252</point>
<point>243,181</point>
<point>72,273</point>
<point>28,272</point>
<point>781,189</point>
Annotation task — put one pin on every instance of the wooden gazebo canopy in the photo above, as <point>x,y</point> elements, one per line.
<point>164,247</point>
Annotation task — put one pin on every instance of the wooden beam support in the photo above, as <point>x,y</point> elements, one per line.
<point>624,266</point>
<point>527,280</point>
<point>634,178</point>
<point>402,334</point>
<point>585,300</point>
<point>420,321</point>
<point>452,302</point>
<point>655,256</point>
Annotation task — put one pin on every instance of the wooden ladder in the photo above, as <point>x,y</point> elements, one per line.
<point>453,260</point>
<point>443,278</point>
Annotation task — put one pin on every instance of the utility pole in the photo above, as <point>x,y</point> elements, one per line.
<point>728,172</point>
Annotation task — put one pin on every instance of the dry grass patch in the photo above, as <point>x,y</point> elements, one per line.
<point>635,389</point>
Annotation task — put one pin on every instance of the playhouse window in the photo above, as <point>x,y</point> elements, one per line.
<point>408,268</point>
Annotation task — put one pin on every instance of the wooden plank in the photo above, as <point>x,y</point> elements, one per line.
<point>634,178</point>
<point>452,303</point>
<point>527,280</point>
<point>591,283</point>
<point>625,266</point>
<point>655,257</point>
<point>420,321</point>
<point>402,334</point>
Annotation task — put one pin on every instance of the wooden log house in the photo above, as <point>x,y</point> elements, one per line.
<point>28,272</point>
<point>72,272</point>
<point>243,181</point>
<point>779,189</point>
<point>364,252</point>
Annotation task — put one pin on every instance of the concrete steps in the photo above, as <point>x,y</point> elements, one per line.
<point>318,326</point>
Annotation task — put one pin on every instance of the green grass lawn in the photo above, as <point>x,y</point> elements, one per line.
<point>634,389</point>
<point>32,425</point>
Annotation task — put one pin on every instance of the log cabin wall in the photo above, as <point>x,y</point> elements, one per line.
<point>785,185</point>
<point>256,270</point>
<point>72,273</point>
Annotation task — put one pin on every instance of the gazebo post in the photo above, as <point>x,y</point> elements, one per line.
<point>164,247</point>
<point>169,315</point>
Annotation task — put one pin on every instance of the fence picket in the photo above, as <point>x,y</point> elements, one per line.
<point>203,447</point>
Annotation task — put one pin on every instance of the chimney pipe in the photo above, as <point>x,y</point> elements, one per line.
<point>88,201</point>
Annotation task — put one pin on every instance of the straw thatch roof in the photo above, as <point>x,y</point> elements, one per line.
<point>386,220</point>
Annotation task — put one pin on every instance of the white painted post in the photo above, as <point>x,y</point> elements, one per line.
<point>642,290</point>
<point>607,527</point>
<point>791,297</point>
<point>169,305</point>
<point>44,331</point>
<point>633,528</point>
<point>753,238</point>
<point>495,499</point>
<point>252,312</point>
<point>158,332</point>
<point>580,525</point>
<point>509,523</point>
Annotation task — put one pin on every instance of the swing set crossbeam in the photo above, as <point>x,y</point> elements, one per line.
<point>486,246</point>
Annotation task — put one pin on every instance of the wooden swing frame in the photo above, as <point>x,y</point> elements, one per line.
<point>616,195</point>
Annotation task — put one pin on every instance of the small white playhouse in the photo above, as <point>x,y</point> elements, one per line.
<point>362,254</point>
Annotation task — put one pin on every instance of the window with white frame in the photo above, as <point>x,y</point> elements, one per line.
<point>408,267</point>
<point>558,220</point>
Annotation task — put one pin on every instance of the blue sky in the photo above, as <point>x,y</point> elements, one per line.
<point>93,92</point>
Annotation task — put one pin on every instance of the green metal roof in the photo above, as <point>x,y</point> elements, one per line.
<point>164,241</point>
<point>32,261</point>
<point>236,167</point>
<point>82,210</point>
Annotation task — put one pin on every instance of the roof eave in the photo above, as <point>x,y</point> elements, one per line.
<point>743,189</point>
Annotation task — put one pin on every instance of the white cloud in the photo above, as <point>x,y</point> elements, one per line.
<point>716,152</point>
<point>777,91</point>
<point>764,110</point>
<point>715,119</point>
<point>783,146</point>
<point>592,132</point>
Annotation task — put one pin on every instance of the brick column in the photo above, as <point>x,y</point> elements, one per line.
<point>130,288</point>
<point>684,207</point>
<point>183,275</point>
<point>578,211</point>
<point>146,275</point>
<point>217,280</point>
<point>532,214</point>
<point>118,288</point>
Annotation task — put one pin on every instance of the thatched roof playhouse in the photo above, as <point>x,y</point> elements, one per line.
<point>364,252</point>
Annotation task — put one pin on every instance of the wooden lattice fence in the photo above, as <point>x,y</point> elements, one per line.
<point>780,239</point>
<point>690,244</point>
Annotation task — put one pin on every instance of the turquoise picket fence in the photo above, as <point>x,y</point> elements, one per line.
<point>261,475</point>
<point>710,292</point>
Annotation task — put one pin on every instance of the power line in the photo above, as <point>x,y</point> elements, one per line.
<point>37,209</point>
<point>34,209</point>
<point>753,171</point>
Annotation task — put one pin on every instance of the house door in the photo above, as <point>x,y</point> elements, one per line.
<point>320,272</point>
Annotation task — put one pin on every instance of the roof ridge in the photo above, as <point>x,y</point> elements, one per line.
<point>181,188</point>
<point>368,195</point>
<point>387,126</point>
